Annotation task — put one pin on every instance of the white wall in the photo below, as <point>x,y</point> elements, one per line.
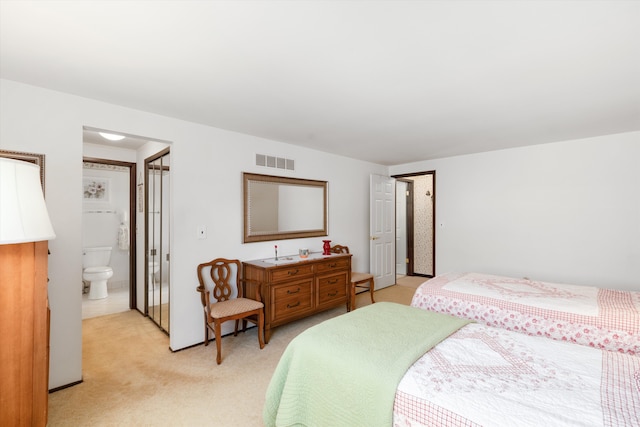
<point>563,212</point>
<point>206,169</point>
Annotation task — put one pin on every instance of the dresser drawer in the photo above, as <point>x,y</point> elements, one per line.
<point>332,288</point>
<point>332,265</point>
<point>291,290</point>
<point>291,299</point>
<point>291,272</point>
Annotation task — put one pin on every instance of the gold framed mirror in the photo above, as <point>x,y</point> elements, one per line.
<point>36,159</point>
<point>277,208</point>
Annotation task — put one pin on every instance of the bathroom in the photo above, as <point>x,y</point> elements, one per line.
<point>105,223</point>
<point>126,178</point>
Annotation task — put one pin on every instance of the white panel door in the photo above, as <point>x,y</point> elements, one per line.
<point>382,225</point>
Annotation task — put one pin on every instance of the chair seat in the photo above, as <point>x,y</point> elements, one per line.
<point>361,277</point>
<point>362,281</point>
<point>234,306</point>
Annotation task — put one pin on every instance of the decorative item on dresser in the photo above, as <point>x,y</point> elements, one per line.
<point>293,288</point>
<point>24,312</point>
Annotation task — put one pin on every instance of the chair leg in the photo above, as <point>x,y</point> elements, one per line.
<point>371,288</point>
<point>206,332</point>
<point>352,297</point>
<point>260,329</point>
<point>218,342</point>
<point>235,330</point>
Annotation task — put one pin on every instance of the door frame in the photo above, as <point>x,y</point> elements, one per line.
<point>132,222</point>
<point>409,224</point>
<point>410,221</point>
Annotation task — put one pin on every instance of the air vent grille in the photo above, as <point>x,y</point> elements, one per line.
<point>274,162</point>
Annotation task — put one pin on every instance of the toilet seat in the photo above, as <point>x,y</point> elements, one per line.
<point>102,269</point>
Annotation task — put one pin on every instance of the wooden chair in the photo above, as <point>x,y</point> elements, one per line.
<point>358,280</point>
<point>228,302</point>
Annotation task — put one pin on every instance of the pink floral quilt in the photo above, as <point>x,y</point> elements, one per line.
<point>602,318</point>
<point>485,376</point>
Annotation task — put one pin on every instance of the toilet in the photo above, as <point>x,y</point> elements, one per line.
<point>154,267</point>
<point>96,270</point>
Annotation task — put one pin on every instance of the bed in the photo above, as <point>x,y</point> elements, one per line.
<point>388,364</point>
<point>596,317</point>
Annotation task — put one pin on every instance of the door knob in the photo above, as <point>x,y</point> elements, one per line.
<point>373,238</point>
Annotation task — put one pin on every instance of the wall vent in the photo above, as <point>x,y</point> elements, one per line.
<point>274,162</point>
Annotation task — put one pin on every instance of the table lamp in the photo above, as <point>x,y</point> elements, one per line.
<point>23,213</point>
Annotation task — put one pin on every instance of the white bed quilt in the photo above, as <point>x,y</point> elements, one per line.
<point>484,376</point>
<point>596,317</point>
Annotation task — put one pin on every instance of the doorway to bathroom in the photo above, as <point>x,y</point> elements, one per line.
<point>415,224</point>
<point>108,221</point>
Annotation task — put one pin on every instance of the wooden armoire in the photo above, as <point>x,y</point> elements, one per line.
<point>24,334</point>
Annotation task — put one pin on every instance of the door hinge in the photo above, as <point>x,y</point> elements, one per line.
<point>406,260</point>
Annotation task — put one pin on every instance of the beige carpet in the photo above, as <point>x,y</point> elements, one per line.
<point>131,378</point>
<point>411,281</point>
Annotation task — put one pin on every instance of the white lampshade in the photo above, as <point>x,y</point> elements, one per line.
<point>23,213</point>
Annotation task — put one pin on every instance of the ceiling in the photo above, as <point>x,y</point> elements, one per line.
<point>129,142</point>
<point>389,82</point>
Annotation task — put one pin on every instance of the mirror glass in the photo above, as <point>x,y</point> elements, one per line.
<point>278,208</point>
<point>158,169</point>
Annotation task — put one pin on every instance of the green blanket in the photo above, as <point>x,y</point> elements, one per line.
<point>345,371</point>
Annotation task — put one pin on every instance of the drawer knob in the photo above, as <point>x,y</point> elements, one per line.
<point>333,294</point>
<point>293,272</point>
<point>334,265</point>
<point>332,281</point>
<point>293,305</point>
<point>290,292</point>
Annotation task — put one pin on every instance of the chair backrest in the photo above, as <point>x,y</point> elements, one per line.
<point>339,249</point>
<point>223,277</point>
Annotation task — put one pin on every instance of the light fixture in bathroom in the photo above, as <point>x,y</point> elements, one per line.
<point>111,136</point>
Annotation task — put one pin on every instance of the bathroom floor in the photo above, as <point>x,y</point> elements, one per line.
<point>116,302</point>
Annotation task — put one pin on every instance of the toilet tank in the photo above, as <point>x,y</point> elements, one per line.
<point>96,257</point>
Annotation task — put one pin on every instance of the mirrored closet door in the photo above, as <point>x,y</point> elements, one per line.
<point>157,238</point>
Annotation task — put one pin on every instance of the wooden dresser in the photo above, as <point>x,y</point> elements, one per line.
<point>292,288</point>
<point>24,335</point>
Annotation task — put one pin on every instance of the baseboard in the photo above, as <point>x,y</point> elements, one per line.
<point>62,387</point>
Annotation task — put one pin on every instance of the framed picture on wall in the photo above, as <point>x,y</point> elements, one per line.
<point>36,159</point>
<point>95,189</point>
